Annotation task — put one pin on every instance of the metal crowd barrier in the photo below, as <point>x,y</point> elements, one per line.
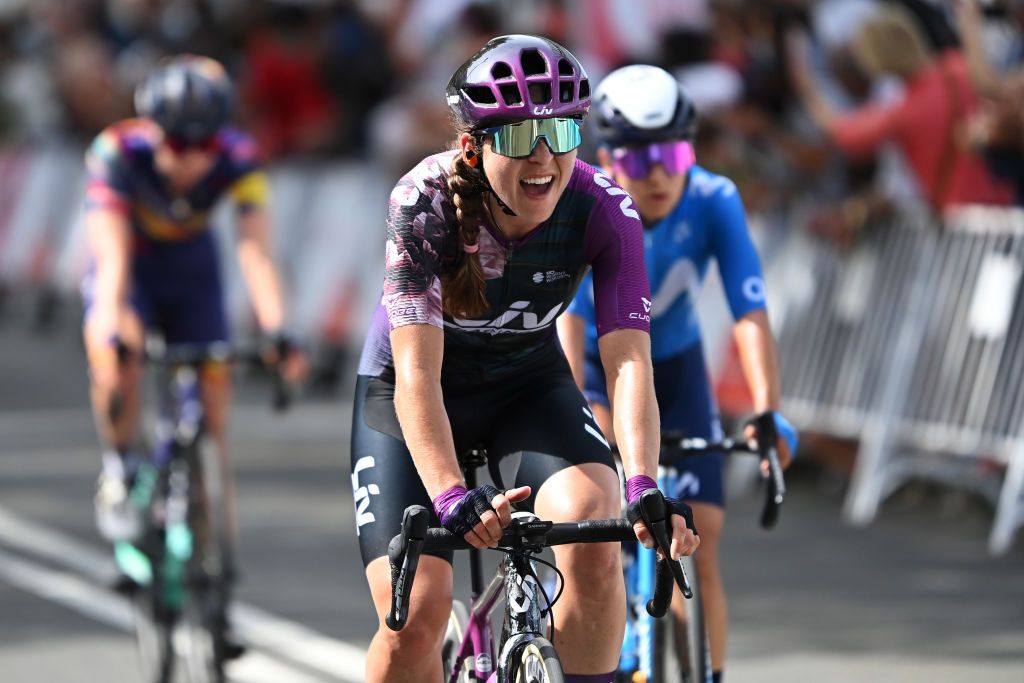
<point>913,343</point>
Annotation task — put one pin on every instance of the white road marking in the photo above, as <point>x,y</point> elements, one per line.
<point>109,608</point>
<point>281,637</point>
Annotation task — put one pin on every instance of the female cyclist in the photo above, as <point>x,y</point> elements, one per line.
<point>486,245</point>
<point>646,121</point>
<point>152,182</point>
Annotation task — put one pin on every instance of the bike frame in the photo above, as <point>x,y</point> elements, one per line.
<point>519,590</point>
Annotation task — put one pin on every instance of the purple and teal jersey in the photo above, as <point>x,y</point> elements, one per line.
<point>122,176</point>
<point>529,281</point>
<point>708,222</point>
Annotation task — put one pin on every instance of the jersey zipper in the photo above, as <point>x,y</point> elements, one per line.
<point>509,252</point>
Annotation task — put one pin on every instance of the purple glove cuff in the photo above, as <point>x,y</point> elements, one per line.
<point>637,485</point>
<point>446,502</point>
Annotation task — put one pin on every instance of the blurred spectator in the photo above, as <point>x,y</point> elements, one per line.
<point>997,129</point>
<point>928,122</point>
<point>286,102</point>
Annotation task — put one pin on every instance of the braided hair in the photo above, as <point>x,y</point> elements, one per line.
<point>463,292</point>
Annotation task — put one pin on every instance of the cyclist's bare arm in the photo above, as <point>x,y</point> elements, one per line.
<point>255,256</point>
<point>572,331</point>
<point>418,351</point>
<point>626,356</point>
<point>760,361</point>
<point>109,235</point>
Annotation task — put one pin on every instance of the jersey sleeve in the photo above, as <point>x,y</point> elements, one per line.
<point>736,254</point>
<point>251,191</point>
<point>107,174</point>
<point>615,249</point>
<point>416,229</point>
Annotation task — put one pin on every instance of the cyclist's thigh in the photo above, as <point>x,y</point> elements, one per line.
<point>546,427</point>
<point>687,405</point>
<point>384,478</point>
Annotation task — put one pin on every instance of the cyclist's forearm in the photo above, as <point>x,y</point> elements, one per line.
<point>427,431</point>
<point>259,271</point>
<point>759,359</point>
<point>109,237</point>
<point>625,355</point>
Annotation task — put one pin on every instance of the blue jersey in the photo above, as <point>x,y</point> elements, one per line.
<point>708,222</point>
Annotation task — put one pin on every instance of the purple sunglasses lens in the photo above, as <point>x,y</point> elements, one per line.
<point>636,162</point>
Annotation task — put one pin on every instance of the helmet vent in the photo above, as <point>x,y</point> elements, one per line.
<point>480,94</point>
<point>584,89</point>
<point>510,93</point>
<point>565,91</point>
<point>533,63</point>
<point>540,93</point>
<point>501,70</point>
<point>565,68</point>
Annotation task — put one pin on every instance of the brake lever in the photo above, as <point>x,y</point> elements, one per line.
<point>654,512</point>
<point>404,556</point>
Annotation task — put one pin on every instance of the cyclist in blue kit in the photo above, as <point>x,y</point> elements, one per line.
<point>486,246</point>
<point>645,122</point>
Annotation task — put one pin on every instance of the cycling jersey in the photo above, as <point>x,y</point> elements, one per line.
<point>708,221</point>
<point>530,281</point>
<point>122,176</point>
<point>176,282</point>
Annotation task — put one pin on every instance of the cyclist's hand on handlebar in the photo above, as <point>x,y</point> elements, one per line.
<point>684,533</point>
<point>281,351</point>
<point>786,443</point>
<point>479,514</point>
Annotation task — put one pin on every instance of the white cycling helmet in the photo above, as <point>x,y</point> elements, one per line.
<point>642,103</point>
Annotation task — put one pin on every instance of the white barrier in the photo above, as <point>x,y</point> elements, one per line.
<point>913,343</point>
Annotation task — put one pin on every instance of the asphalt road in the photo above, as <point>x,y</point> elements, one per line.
<point>914,598</point>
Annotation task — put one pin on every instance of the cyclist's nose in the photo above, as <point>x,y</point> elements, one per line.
<point>541,151</point>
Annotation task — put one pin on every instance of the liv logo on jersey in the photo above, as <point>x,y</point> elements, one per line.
<point>516,320</point>
<point>626,205</point>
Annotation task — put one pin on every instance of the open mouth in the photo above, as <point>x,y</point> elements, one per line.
<point>537,187</point>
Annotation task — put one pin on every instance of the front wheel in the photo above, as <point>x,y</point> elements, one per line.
<point>690,636</point>
<point>536,662</point>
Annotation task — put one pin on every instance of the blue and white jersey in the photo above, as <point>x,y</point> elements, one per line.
<point>708,222</point>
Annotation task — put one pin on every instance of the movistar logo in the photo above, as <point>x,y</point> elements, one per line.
<point>516,320</point>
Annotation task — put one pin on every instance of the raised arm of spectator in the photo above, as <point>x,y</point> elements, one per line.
<point>984,77</point>
<point>811,96</point>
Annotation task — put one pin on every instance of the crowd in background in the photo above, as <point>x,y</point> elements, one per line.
<point>362,78</point>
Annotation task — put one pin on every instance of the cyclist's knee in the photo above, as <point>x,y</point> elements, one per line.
<point>429,608</point>
<point>595,566</point>
<point>588,491</point>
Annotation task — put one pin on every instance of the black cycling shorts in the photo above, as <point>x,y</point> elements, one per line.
<point>532,426</point>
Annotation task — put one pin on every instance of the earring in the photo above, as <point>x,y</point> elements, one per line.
<point>470,157</point>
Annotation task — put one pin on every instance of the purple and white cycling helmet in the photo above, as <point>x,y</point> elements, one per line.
<point>518,77</point>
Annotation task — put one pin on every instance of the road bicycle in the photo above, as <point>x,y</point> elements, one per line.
<point>523,653</point>
<point>649,652</point>
<point>181,569</point>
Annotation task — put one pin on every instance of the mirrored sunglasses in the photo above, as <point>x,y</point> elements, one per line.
<point>517,140</point>
<point>675,157</point>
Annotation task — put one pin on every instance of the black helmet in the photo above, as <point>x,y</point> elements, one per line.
<point>641,103</point>
<point>189,96</point>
